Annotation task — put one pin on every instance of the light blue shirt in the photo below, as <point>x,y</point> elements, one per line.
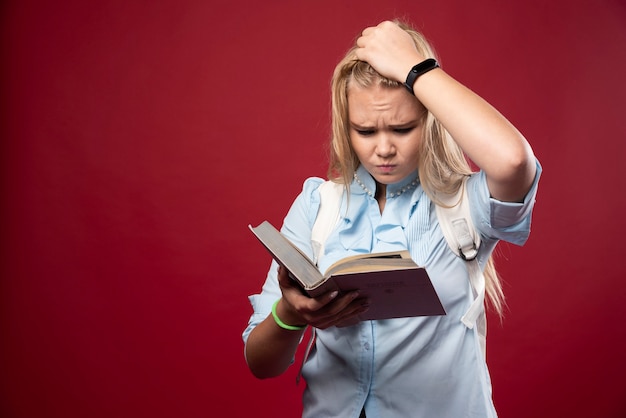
<point>406,367</point>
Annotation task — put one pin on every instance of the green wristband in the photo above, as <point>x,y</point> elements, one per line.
<point>281,323</point>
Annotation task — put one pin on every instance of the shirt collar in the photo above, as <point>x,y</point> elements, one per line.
<point>365,184</point>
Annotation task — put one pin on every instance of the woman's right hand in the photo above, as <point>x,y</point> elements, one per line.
<point>389,49</point>
<point>327,310</point>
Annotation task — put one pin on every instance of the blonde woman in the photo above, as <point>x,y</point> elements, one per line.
<point>401,128</point>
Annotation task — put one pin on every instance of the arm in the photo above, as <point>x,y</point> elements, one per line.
<point>270,348</point>
<point>486,136</point>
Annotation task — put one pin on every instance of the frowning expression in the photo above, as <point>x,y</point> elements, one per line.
<point>385,131</point>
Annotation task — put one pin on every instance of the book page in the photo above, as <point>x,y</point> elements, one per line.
<point>287,254</point>
<point>372,261</point>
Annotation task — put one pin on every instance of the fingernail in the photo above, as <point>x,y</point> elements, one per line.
<point>333,294</point>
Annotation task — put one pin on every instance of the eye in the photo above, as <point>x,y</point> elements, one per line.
<point>365,132</point>
<point>403,131</point>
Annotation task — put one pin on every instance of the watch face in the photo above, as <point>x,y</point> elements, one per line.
<point>425,65</point>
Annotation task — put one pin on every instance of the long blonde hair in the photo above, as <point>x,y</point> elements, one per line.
<point>441,165</point>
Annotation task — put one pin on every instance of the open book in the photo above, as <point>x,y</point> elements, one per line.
<point>394,284</point>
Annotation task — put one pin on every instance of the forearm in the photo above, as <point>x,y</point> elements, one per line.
<point>270,348</point>
<point>486,136</point>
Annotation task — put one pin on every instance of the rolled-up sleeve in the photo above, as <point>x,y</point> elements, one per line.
<point>506,221</point>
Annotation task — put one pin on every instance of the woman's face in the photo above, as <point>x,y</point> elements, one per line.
<point>385,131</point>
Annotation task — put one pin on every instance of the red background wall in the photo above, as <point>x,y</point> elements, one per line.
<point>140,138</point>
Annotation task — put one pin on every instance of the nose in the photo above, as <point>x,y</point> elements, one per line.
<point>384,145</point>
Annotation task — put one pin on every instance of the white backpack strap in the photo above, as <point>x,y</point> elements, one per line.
<point>327,216</point>
<point>456,224</point>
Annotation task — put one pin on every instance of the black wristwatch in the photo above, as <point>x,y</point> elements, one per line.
<point>419,69</point>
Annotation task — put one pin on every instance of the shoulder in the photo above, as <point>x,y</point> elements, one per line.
<point>311,190</point>
<point>311,184</point>
<point>305,207</point>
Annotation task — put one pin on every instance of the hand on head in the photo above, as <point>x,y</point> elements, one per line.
<point>389,49</point>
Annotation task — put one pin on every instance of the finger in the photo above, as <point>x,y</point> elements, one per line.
<point>287,285</point>
<point>361,42</point>
<point>322,309</point>
<point>299,300</point>
<point>347,317</point>
<point>330,304</point>
<point>283,276</point>
<point>368,31</point>
<point>351,313</point>
<point>343,308</point>
<point>314,308</point>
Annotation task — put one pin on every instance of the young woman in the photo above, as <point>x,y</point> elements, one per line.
<point>398,142</point>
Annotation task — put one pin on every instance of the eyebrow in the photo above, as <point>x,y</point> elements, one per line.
<point>360,127</point>
<point>408,124</point>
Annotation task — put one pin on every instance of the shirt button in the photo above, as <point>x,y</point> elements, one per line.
<point>366,346</point>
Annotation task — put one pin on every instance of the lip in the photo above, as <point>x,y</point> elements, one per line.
<point>386,168</point>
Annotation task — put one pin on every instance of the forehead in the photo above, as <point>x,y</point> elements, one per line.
<point>374,102</point>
